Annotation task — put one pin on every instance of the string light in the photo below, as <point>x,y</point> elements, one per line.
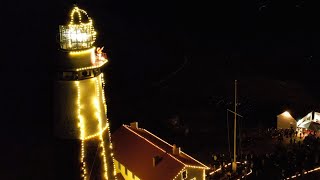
<point>103,95</point>
<point>108,126</point>
<point>101,63</point>
<point>306,172</point>
<point>180,151</point>
<point>103,153</point>
<point>81,125</point>
<point>243,163</point>
<point>187,165</point>
<point>82,51</point>
<point>183,169</point>
<point>97,134</point>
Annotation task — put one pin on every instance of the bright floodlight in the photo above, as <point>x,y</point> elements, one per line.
<point>77,35</point>
<point>287,114</point>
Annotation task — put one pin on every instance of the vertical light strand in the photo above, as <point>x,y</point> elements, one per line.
<point>81,126</point>
<point>108,127</point>
<point>97,104</point>
<point>103,95</point>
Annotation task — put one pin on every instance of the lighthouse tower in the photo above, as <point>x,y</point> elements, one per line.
<point>83,147</point>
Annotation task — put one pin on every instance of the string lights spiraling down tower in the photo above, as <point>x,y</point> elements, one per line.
<point>83,148</point>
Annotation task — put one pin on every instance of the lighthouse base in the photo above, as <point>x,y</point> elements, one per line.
<point>88,159</point>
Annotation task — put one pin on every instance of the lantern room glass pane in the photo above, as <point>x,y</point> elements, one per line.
<point>76,37</point>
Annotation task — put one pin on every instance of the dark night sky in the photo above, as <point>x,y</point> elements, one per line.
<point>167,59</point>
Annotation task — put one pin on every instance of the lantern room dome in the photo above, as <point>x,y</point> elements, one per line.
<point>78,16</point>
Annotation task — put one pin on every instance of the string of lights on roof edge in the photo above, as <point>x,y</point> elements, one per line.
<point>183,169</point>
<point>219,169</point>
<point>153,144</point>
<point>205,167</point>
<point>300,174</point>
<point>185,165</point>
<point>172,146</point>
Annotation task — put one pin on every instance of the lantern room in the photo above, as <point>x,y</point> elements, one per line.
<point>79,34</point>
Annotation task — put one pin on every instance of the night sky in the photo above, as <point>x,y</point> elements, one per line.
<point>168,62</point>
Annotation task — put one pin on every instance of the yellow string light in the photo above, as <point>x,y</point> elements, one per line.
<point>93,67</point>
<point>307,172</point>
<point>81,126</point>
<point>101,135</point>
<point>229,164</point>
<point>204,166</point>
<point>103,95</point>
<point>109,134</point>
<point>82,51</point>
<point>191,166</point>
<point>183,169</point>
<point>97,134</point>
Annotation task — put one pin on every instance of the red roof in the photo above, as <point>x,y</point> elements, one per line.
<point>136,148</point>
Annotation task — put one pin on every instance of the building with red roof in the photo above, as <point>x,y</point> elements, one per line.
<point>139,154</point>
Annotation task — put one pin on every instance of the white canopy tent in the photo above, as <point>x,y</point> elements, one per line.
<point>310,122</point>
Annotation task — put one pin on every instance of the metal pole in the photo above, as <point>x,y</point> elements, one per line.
<point>228,136</point>
<point>234,164</point>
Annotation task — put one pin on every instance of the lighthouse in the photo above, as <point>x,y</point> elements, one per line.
<point>83,148</point>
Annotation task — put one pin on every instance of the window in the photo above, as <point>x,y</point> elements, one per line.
<point>96,72</point>
<point>184,174</point>
<point>86,73</point>
<point>133,176</point>
<point>119,166</point>
<point>68,75</point>
<point>126,171</point>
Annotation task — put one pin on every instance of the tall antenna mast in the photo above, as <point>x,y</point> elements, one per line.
<point>234,163</point>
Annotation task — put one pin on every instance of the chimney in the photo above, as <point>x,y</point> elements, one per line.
<point>176,150</point>
<point>134,125</point>
<point>156,160</point>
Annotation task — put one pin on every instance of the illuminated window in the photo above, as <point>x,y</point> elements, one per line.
<point>184,174</point>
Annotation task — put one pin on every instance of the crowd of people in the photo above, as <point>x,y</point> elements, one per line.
<point>294,152</point>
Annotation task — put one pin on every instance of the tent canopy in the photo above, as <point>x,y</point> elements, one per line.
<point>310,122</point>
<point>311,125</point>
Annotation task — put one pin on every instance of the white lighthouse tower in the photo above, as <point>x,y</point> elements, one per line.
<point>83,148</point>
